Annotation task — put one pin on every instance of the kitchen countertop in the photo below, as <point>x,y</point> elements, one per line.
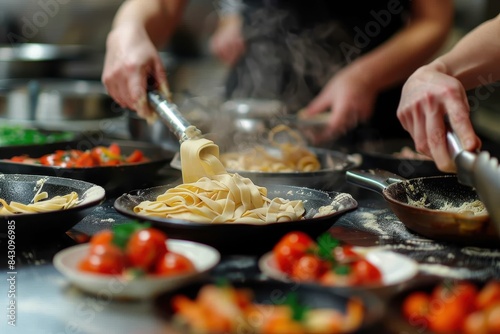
<point>47,303</point>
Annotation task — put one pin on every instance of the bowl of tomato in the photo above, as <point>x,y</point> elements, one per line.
<point>134,261</point>
<point>255,306</point>
<point>325,261</point>
<point>448,306</point>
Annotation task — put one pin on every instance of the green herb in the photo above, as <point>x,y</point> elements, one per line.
<point>17,135</point>
<point>342,269</point>
<point>134,273</point>
<point>122,233</point>
<point>299,310</point>
<point>222,282</point>
<point>326,245</point>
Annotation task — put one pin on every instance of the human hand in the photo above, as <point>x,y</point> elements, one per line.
<point>227,41</point>
<point>349,100</point>
<point>427,96</point>
<point>130,59</point>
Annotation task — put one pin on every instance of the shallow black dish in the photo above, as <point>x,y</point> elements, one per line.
<point>22,188</point>
<point>239,237</point>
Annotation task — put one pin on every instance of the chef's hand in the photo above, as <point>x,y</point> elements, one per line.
<point>427,96</point>
<point>227,41</point>
<point>130,59</point>
<point>348,99</point>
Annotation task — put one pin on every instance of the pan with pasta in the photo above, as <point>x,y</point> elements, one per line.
<point>217,207</point>
<point>35,205</point>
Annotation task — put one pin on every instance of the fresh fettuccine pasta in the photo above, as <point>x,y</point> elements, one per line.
<point>210,194</point>
<point>41,203</point>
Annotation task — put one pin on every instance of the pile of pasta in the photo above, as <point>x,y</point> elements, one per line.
<point>210,194</point>
<point>294,156</point>
<point>40,203</point>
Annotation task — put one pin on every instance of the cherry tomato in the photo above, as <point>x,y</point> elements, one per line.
<point>446,317</point>
<point>462,292</point>
<point>290,248</point>
<point>365,272</point>
<point>416,307</point>
<point>103,237</point>
<point>489,295</point>
<point>104,259</point>
<point>307,268</point>
<point>475,323</point>
<point>493,318</point>
<point>172,263</point>
<point>333,278</point>
<point>145,247</point>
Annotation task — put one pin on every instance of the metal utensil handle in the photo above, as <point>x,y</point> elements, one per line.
<point>375,180</point>
<point>464,160</point>
<point>169,114</point>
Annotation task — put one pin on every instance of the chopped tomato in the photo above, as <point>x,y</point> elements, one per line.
<point>84,160</point>
<point>114,149</point>
<point>135,156</point>
<point>97,156</point>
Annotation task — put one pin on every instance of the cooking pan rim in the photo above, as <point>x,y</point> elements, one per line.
<point>406,206</point>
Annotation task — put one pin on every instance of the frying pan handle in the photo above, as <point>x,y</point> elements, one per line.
<point>373,179</point>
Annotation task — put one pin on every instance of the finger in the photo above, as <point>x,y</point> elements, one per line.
<point>459,117</point>
<point>137,91</point>
<point>318,105</point>
<point>419,131</point>
<point>436,140</point>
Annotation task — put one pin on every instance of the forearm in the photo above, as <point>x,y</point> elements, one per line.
<point>474,59</point>
<point>392,62</point>
<point>158,17</point>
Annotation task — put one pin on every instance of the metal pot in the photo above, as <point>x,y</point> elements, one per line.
<point>34,60</point>
<point>46,102</point>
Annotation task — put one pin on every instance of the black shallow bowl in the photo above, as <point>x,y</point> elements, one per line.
<point>274,292</point>
<point>114,179</point>
<point>240,237</point>
<point>22,188</point>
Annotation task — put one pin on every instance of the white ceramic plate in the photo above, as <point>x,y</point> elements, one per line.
<point>395,268</point>
<point>66,261</point>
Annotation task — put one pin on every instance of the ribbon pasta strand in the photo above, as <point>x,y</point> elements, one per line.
<point>41,203</point>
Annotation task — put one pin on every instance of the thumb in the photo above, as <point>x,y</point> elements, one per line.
<point>161,80</point>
